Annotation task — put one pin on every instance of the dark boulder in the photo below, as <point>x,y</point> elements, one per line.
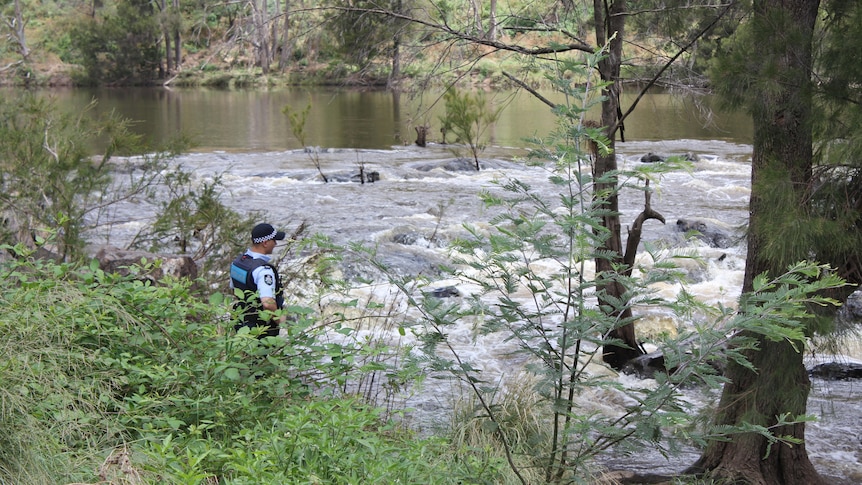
<point>645,366</point>
<point>655,158</point>
<point>444,292</point>
<point>652,158</point>
<point>710,232</point>
<point>408,238</point>
<point>851,310</point>
<point>361,177</point>
<point>837,371</point>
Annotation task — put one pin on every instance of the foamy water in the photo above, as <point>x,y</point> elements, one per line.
<point>411,212</point>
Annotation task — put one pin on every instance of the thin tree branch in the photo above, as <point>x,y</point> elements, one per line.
<point>667,65</point>
<point>530,90</point>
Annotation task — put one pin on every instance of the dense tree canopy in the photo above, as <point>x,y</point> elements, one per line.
<point>131,41</point>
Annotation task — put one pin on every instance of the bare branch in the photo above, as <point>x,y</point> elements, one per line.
<point>532,91</point>
<point>575,45</point>
<point>634,238</point>
<point>667,65</point>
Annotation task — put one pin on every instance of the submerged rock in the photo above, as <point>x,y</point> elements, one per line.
<point>713,233</point>
<point>851,311</point>
<point>452,165</point>
<point>652,158</point>
<point>645,366</point>
<point>837,371</point>
<point>444,292</point>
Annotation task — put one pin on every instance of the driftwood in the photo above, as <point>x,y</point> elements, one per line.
<point>615,355</point>
<point>635,231</point>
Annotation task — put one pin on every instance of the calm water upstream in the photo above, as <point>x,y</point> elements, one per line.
<point>253,120</point>
<point>245,137</point>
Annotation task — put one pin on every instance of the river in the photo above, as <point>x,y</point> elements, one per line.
<point>244,121</point>
<point>407,200</point>
<point>244,136</point>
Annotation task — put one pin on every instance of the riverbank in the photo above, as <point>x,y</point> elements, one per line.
<point>48,75</point>
<point>206,68</point>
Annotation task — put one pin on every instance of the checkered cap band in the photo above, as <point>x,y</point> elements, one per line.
<point>261,239</point>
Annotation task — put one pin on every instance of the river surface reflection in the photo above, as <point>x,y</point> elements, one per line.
<point>253,120</point>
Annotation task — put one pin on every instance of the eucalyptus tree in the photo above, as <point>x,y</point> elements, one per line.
<point>15,24</point>
<point>171,23</point>
<point>560,30</point>
<point>792,67</point>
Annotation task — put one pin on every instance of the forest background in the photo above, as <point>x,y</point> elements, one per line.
<point>201,413</point>
<point>268,42</point>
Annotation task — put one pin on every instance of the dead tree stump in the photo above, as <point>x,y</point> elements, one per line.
<point>421,135</point>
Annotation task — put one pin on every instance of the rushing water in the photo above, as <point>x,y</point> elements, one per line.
<point>244,136</point>
<point>411,200</point>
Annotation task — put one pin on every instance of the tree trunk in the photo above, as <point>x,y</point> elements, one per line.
<point>261,35</point>
<point>168,51</point>
<point>477,16</point>
<point>492,22</point>
<point>17,27</point>
<point>274,31</point>
<point>780,386</point>
<point>166,34</point>
<point>609,21</point>
<point>177,26</point>
<point>781,164</point>
<point>395,74</point>
<point>286,52</point>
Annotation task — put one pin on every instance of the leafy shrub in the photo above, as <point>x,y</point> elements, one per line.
<point>122,47</point>
<point>73,188</point>
<point>99,364</point>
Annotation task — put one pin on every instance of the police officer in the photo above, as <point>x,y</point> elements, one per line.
<point>258,279</point>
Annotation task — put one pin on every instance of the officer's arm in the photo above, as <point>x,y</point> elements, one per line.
<point>268,304</point>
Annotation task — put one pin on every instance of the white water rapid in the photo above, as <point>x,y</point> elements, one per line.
<point>409,203</point>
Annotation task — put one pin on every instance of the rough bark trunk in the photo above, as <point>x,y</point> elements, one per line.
<point>783,147</point>
<point>609,23</point>
<point>780,386</point>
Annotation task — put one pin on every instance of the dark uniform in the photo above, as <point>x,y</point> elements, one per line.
<point>243,271</point>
